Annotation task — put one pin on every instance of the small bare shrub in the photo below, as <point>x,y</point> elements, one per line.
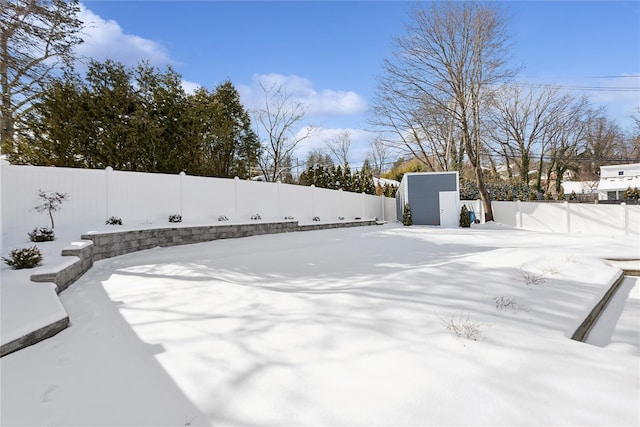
<point>532,278</point>
<point>508,304</point>
<point>462,327</point>
<point>552,269</point>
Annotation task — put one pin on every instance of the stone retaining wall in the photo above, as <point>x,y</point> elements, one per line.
<point>583,330</point>
<point>97,246</point>
<point>110,244</point>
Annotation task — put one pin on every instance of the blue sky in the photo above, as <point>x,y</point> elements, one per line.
<point>329,53</point>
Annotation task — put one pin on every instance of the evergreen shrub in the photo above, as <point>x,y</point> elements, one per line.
<point>24,258</point>
<point>42,234</point>
<point>175,218</point>
<point>114,220</point>
<point>465,217</point>
<point>632,194</point>
<point>407,220</point>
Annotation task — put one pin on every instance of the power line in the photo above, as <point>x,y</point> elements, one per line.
<point>584,88</point>
<point>619,76</point>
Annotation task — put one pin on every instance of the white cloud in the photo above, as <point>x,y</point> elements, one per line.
<point>326,102</point>
<point>190,87</point>
<point>106,39</point>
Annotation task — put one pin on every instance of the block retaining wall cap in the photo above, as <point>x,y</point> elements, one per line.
<point>34,337</point>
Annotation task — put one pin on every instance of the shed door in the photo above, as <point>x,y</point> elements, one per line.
<point>449,215</point>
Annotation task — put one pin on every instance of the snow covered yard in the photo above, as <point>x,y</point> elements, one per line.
<point>337,327</point>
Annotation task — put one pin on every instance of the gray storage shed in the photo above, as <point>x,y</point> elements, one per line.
<point>434,198</point>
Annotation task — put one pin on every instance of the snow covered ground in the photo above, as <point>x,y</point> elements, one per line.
<point>343,327</point>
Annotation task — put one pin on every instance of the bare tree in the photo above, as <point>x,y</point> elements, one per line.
<point>422,131</point>
<point>339,146</point>
<point>517,124</point>
<point>280,117</point>
<point>566,139</point>
<point>604,144</point>
<point>451,59</point>
<point>378,155</point>
<point>36,37</point>
<point>631,148</point>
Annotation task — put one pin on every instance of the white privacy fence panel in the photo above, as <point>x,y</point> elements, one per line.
<point>20,187</point>
<point>372,207</point>
<point>206,199</point>
<point>256,198</point>
<point>605,219</point>
<point>389,210</point>
<point>143,198</point>
<point>327,203</point>
<point>295,201</point>
<point>569,217</point>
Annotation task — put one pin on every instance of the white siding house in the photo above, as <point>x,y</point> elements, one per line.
<point>616,179</point>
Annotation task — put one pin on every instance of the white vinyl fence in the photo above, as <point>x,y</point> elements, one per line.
<point>144,198</point>
<point>149,199</point>
<point>565,217</point>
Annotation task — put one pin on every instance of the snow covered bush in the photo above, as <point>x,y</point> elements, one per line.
<point>631,194</point>
<point>316,218</point>
<point>42,234</point>
<point>175,218</point>
<point>113,220</point>
<point>407,220</point>
<point>256,217</point>
<point>465,217</point>
<point>223,218</point>
<point>24,258</point>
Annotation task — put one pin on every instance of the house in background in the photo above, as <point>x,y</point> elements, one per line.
<point>434,198</point>
<point>616,179</point>
<point>584,191</point>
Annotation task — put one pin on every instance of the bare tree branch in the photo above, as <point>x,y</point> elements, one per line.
<point>441,76</point>
<point>279,117</point>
